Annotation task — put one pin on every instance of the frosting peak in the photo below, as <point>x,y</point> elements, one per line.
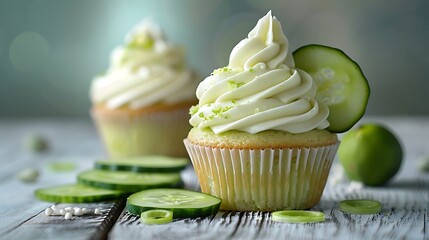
<point>266,43</point>
<point>260,89</point>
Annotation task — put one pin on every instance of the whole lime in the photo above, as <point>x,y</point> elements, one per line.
<point>370,154</point>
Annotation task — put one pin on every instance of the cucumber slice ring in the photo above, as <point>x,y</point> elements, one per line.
<point>298,216</point>
<point>360,206</point>
<point>341,83</point>
<point>128,181</point>
<point>76,193</point>
<point>144,164</point>
<point>183,203</point>
<point>156,216</point>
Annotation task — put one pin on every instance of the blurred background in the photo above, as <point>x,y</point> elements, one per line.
<point>51,49</point>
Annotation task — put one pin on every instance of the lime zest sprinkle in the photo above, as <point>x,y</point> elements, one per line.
<point>234,84</point>
<point>257,110</point>
<point>194,109</point>
<point>143,41</point>
<point>220,110</point>
<point>204,117</point>
<point>251,70</point>
<point>219,70</point>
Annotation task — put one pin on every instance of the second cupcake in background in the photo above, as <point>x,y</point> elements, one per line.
<point>140,105</point>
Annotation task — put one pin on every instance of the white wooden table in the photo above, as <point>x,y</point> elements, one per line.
<point>404,215</point>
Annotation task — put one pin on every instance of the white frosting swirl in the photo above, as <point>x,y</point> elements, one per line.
<point>147,70</point>
<point>260,89</point>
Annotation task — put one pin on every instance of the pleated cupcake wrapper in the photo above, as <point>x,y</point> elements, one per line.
<point>263,179</point>
<point>148,133</point>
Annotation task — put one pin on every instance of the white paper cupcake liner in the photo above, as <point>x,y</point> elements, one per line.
<point>127,135</point>
<point>263,179</point>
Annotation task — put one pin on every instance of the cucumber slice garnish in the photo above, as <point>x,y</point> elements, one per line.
<point>156,216</point>
<point>76,193</point>
<point>341,84</point>
<point>144,164</point>
<point>298,216</point>
<point>128,181</point>
<point>183,203</point>
<point>360,206</point>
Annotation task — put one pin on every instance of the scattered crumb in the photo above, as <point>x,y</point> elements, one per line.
<point>424,164</point>
<point>49,211</point>
<point>28,175</point>
<point>68,215</point>
<point>69,212</point>
<point>36,143</point>
<point>97,211</point>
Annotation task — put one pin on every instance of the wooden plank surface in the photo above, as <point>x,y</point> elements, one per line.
<point>21,215</point>
<point>404,215</point>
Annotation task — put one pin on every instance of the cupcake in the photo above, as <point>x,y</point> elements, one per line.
<point>259,138</point>
<point>140,105</point>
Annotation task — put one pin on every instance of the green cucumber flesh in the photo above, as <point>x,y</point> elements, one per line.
<point>144,164</point>
<point>360,206</point>
<point>156,216</point>
<point>183,203</point>
<point>77,193</point>
<point>128,181</point>
<point>341,84</point>
<point>297,216</point>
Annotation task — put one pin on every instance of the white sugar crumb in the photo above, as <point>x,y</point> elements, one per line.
<point>97,211</point>
<point>69,212</point>
<point>49,211</point>
<point>354,186</point>
<point>68,215</point>
<point>78,211</point>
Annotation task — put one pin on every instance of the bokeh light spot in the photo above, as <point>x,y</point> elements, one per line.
<point>29,52</point>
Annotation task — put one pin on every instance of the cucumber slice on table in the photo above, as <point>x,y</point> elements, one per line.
<point>183,203</point>
<point>340,81</point>
<point>144,164</point>
<point>76,193</point>
<point>298,216</point>
<point>156,216</point>
<point>128,181</point>
<point>360,206</point>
